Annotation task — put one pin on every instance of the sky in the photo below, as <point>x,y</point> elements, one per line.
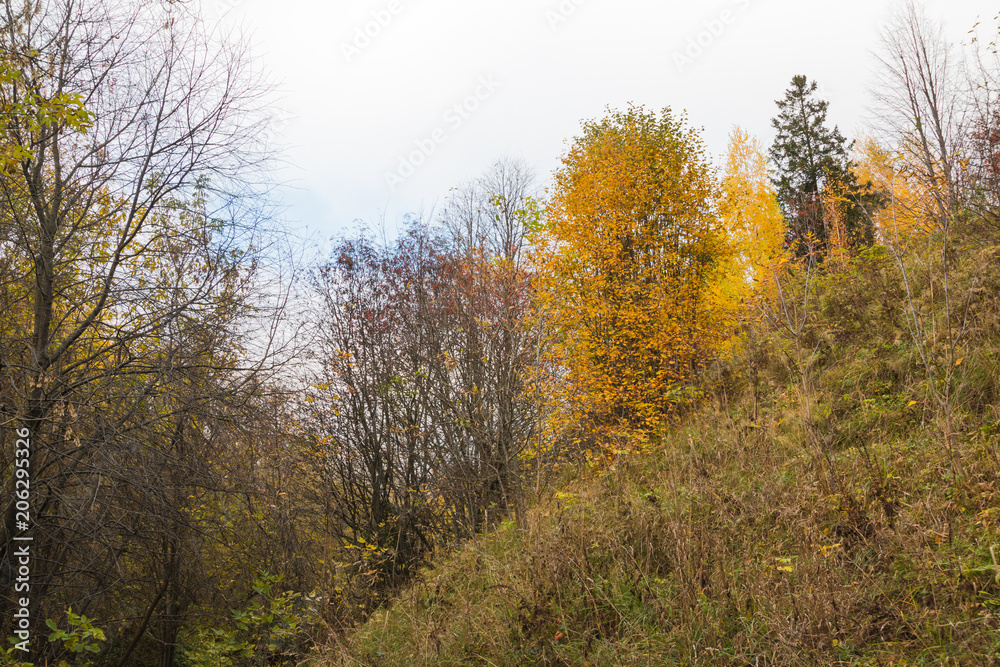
<point>383,106</point>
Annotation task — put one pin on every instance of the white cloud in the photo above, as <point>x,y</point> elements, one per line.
<point>354,117</point>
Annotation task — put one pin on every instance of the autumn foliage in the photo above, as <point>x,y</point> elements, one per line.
<point>752,219</point>
<point>235,454</point>
<point>908,211</point>
<point>631,242</point>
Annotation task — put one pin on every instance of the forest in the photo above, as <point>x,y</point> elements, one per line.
<point>655,409</point>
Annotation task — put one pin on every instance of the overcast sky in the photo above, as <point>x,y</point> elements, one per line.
<point>387,104</point>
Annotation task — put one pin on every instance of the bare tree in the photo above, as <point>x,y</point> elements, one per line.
<point>489,220</point>
<point>918,93</point>
<point>489,213</point>
<point>983,150</point>
<point>420,403</point>
<point>921,109</point>
<point>368,416</point>
<point>122,247</point>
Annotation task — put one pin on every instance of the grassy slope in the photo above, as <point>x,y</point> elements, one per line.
<point>735,542</point>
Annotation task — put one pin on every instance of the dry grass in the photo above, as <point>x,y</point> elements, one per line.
<point>849,540</point>
<point>720,548</point>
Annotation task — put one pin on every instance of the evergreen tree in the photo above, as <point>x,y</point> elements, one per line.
<point>816,187</point>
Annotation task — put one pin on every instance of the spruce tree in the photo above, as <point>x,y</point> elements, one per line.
<point>811,159</point>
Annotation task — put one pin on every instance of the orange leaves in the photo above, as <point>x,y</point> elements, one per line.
<point>632,241</point>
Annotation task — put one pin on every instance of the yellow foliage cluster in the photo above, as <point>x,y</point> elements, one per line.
<point>908,208</point>
<point>630,245</point>
<point>647,264</point>
<point>753,223</point>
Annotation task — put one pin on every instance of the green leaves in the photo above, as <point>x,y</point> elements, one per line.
<point>263,633</point>
<point>32,114</point>
<point>82,637</point>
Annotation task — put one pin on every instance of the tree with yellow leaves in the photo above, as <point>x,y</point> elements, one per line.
<point>909,206</point>
<point>755,228</point>
<point>632,239</point>
<point>751,215</point>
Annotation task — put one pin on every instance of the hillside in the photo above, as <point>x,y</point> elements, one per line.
<point>657,404</point>
<point>853,537</point>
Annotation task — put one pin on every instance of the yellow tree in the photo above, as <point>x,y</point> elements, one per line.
<point>632,239</point>
<point>755,228</point>
<point>909,209</point>
<point>752,218</point>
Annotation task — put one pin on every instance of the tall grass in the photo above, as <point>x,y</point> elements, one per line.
<point>729,539</point>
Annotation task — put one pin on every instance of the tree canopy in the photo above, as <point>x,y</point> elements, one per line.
<point>633,235</point>
<point>816,186</point>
